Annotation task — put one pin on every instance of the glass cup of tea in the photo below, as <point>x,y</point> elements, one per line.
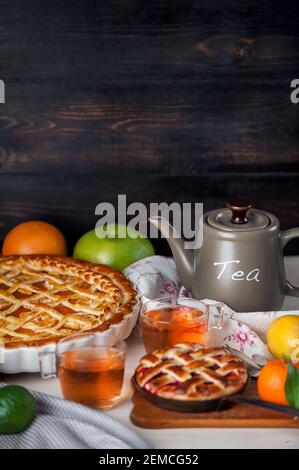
<point>169,321</point>
<point>89,373</point>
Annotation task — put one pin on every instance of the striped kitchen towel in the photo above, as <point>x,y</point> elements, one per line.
<point>62,424</point>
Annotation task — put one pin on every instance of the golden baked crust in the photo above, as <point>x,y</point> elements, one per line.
<point>191,372</point>
<point>45,298</point>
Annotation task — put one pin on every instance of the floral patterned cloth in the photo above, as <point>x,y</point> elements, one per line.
<point>156,276</point>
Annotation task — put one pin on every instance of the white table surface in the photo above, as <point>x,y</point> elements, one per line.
<point>191,438</point>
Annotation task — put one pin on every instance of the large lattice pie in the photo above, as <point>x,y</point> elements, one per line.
<point>191,372</point>
<point>44,298</point>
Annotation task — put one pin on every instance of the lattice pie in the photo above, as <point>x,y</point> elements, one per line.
<point>44,298</point>
<point>191,372</point>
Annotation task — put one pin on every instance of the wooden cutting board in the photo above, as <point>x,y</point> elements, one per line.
<point>146,415</point>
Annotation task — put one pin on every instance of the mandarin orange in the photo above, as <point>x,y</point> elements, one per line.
<point>272,380</point>
<point>34,237</point>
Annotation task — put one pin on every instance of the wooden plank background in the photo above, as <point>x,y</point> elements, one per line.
<point>164,101</point>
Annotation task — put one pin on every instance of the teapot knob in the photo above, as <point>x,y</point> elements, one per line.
<point>239,209</point>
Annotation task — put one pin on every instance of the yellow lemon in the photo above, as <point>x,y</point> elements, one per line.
<point>283,336</point>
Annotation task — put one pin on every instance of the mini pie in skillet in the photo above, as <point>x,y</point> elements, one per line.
<point>191,372</point>
<point>45,298</point>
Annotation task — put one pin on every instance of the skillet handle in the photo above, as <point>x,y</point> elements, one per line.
<point>264,404</point>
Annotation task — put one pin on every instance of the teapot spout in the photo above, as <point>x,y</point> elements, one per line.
<point>183,258</point>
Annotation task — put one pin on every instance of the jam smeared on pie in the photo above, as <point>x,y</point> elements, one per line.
<point>191,372</point>
<point>44,298</point>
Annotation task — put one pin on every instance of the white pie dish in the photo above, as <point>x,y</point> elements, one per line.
<point>26,359</point>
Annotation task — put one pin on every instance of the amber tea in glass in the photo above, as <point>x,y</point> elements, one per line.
<point>170,321</point>
<point>88,373</point>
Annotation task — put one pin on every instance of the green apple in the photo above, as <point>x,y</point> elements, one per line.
<point>114,251</point>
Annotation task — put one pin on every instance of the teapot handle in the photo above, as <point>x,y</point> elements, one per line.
<point>286,236</point>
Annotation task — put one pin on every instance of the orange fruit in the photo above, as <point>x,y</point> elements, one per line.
<point>34,237</point>
<point>271,382</point>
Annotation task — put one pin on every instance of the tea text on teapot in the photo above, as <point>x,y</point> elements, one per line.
<point>253,275</point>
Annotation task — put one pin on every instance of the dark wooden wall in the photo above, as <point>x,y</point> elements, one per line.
<point>177,100</point>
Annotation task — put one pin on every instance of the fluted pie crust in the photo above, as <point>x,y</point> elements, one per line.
<point>45,298</point>
<point>191,372</point>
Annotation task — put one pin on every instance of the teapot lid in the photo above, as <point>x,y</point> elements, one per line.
<point>238,216</point>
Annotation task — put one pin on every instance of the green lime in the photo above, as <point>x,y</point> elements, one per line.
<point>113,250</point>
<point>17,409</point>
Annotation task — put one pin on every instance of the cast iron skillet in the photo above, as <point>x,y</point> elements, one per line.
<point>195,406</point>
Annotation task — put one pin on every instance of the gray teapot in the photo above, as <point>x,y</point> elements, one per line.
<point>240,261</point>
